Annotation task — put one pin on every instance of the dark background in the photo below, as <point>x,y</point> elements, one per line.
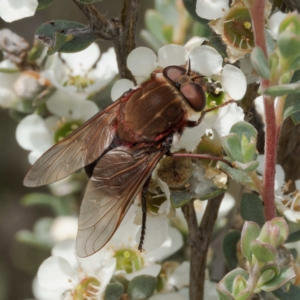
<point>15,283</point>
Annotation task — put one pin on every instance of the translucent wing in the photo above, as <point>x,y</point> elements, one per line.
<point>80,148</point>
<point>117,179</point>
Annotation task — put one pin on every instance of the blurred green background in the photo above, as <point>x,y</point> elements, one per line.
<point>15,274</point>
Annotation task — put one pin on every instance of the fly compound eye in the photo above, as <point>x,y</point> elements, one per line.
<point>173,72</point>
<point>194,95</point>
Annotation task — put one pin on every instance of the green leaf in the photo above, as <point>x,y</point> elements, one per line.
<point>288,44</point>
<point>113,291</point>
<point>36,51</point>
<point>141,287</point>
<point>292,293</point>
<point>249,233</point>
<point>77,36</point>
<point>228,279</point>
<point>244,128</point>
<point>238,176</point>
<point>252,209</point>
<point>293,237</point>
<point>59,41</point>
<point>229,248</point>
<point>180,198</point>
<point>44,4</point>
<point>260,62</point>
<point>284,277</point>
<point>248,149</point>
<point>263,252</point>
<point>248,167</point>
<point>154,23</point>
<point>168,10</point>
<point>232,147</point>
<point>283,89</point>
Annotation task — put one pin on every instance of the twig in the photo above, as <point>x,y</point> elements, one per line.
<point>120,31</point>
<point>199,238</point>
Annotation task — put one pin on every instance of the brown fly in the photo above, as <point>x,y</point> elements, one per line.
<point>120,146</point>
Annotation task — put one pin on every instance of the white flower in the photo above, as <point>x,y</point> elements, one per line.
<point>79,77</point>
<point>211,9</point>
<point>68,275</point>
<point>37,134</point>
<point>204,59</point>
<point>12,10</point>
<point>9,73</point>
<point>131,262</point>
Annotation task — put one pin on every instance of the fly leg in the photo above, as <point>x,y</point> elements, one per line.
<point>144,211</point>
<point>204,112</point>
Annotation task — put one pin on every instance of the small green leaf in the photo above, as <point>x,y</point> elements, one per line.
<point>249,149</point>
<point>266,276</point>
<point>283,89</point>
<point>36,51</point>
<point>248,167</point>
<point>249,233</point>
<point>223,293</point>
<point>228,279</point>
<point>239,285</point>
<point>78,36</point>
<point>168,10</point>
<point>260,62</point>
<point>113,291</point>
<point>141,287</point>
<point>288,44</point>
<point>252,209</point>
<point>154,23</point>
<point>244,128</point>
<point>180,198</point>
<point>263,252</point>
<point>58,41</point>
<point>232,147</point>
<point>229,248</point>
<point>291,23</point>
<point>284,277</point>
<point>245,295</point>
<point>44,4</point>
<point>238,176</point>
<point>293,237</point>
<point>292,293</point>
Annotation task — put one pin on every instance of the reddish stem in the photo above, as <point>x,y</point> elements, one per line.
<point>256,8</point>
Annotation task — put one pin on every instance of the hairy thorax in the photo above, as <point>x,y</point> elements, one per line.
<point>150,112</point>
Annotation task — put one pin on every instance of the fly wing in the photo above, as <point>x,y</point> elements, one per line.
<point>80,148</point>
<point>116,181</point>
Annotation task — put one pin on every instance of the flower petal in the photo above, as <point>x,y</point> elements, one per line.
<point>64,228</point>
<point>227,116</point>
<point>234,82</point>
<point>43,294</point>
<point>195,41</point>
<point>120,87</point>
<point>81,62</point>
<point>56,273</point>
<point>157,231</point>
<point>274,23</point>
<point>32,133</point>
<point>181,275</point>
<point>152,270</point>
<point>66,250</point>
<point>88,109</point>
<point>206,60</point>
<point>172,55</point>
<point>12,10</point>
<point>141,61</point>
<point>211,9</point>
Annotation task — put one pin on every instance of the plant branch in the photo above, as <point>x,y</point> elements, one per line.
<point>120,31</point>
<point>199,238</point>
<point>257,10</point>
